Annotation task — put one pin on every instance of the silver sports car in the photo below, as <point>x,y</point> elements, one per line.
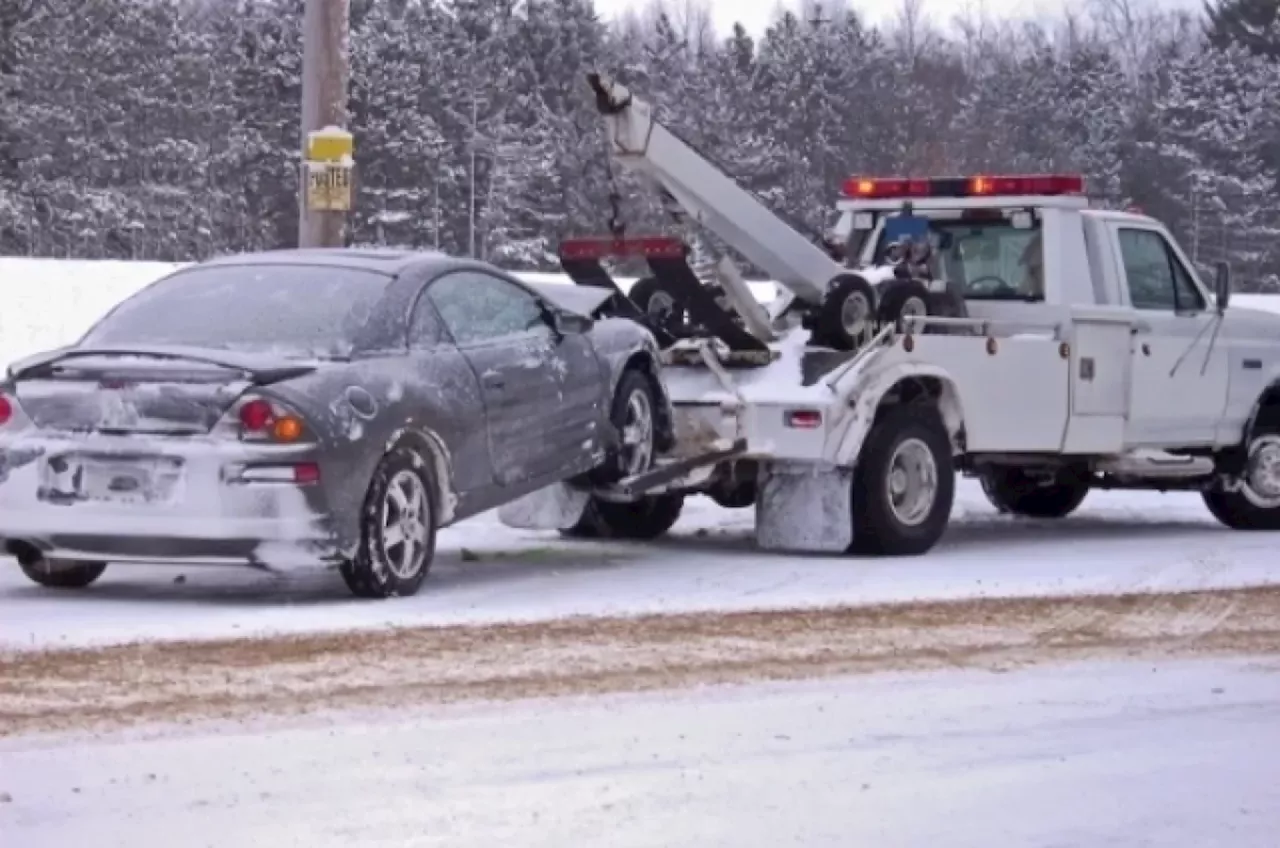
<point>303,407</point>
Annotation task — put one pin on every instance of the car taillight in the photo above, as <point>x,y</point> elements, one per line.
<point>256,415</point>
<point>261,419</point>
<point>6,410</point>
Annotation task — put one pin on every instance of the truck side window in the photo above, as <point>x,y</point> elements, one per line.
<point>1156,278</point>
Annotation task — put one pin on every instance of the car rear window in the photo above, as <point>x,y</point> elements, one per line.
<point>306,309</point>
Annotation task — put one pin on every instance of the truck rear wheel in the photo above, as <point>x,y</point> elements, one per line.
<point>1014,491</point>
<point>647,518</point>
<point>904,484</point>
<point>1256,505</point>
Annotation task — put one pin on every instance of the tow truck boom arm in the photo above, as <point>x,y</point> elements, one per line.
<point>639,142</point>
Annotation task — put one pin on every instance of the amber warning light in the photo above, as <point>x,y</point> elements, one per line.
<point>907,188</point>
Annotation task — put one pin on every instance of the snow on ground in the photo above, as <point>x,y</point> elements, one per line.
<point>486,572</point>
<point>1118,754</point>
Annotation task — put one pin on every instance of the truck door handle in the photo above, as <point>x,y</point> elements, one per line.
<point>1141,327</point>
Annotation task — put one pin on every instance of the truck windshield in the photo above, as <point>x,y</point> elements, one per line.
<point>988,259</point>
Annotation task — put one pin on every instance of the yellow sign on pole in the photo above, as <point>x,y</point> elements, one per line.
<point>329,166</point>
<point>329,186</point>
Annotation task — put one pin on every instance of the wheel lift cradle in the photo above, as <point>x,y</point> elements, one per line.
<point>799,505</point>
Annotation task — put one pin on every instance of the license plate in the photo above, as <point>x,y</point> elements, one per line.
<point>114,480</point>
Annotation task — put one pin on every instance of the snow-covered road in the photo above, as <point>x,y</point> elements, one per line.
<point>485,572</point>
<point>1126,754</point>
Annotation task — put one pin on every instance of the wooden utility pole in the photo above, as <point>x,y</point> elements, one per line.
<point>326,71</point>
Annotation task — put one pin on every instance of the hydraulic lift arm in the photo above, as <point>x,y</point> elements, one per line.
<point>639,142</point>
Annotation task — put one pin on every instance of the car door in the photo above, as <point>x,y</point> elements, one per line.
<point>501,330</point>
<point>582,401</point>
<point>1178,388</point>
<point>445,391</point>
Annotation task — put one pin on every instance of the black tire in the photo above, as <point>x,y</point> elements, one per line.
<point>897,296</point>
<point>373,573</point>
<point>1010,490</point>
<point>878,529</point>
<point>642,520</point>
<point>659,302</point>
<point>62,573</point>
<point>1236,509</point>
<point>847,316</point>
<point>738,496</point>
<point>634,388</point>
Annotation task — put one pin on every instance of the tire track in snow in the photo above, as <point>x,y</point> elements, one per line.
<point>153,683</point>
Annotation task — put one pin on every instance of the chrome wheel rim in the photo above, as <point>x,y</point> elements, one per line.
<point>637,434</point>
<point>1262,473</point>
<point>406,525</point>
<point>855,314</point>
<point>911,486</point>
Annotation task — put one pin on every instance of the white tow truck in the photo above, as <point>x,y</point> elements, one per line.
<point>993,326</point>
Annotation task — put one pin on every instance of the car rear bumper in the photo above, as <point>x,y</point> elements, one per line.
<point>211,513</point>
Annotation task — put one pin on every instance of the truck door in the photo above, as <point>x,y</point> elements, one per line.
<point>1178,386</point>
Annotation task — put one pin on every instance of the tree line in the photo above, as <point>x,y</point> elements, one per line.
<point>168,129</point>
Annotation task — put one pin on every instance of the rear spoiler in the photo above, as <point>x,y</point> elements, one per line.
<point>259,368</point>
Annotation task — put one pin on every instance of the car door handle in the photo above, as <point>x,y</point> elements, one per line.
<point>494,383</point>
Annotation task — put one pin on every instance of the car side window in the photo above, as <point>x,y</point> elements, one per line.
<point>1156,278</point>
<point>425,329</point>
<point>477,307</point>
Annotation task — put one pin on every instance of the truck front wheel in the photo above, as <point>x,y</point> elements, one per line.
<point>1256,504</point>
<point>1013,490</point>
<point>904,484</point>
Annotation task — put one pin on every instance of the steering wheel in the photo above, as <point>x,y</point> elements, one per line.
<point>1001,286</point>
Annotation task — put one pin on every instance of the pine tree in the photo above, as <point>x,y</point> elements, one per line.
<point>1252,24</point>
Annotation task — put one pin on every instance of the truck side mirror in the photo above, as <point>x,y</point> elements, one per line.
<point>1222,286</point>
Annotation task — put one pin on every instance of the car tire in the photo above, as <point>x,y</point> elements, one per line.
<point>847,316</point>
<point>398,525</point>
<point>62,573</point>
<point>1245,509</point>
<point>633,413</point>
<point>1010,490</point>
<point>642,520</point>
<point>908,446</point>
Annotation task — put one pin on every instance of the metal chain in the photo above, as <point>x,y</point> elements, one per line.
<point>617,227</point>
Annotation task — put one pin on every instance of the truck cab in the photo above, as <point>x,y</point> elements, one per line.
<point>1192,367</point>
<point>1160,379</point>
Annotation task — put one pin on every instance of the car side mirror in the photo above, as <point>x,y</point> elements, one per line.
<point>1222,286</point>
<point>570,323</point>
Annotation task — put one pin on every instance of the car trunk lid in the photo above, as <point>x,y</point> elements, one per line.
<point>162,391</point>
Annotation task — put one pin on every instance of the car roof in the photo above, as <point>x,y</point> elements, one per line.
<point>381,260</point>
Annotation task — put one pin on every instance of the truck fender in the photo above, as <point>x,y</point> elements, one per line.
<point>907,380</point>
<point>1269,397</point>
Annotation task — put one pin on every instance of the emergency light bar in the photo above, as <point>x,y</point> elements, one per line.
<point>648,247</point>
<point>1024,185</point>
